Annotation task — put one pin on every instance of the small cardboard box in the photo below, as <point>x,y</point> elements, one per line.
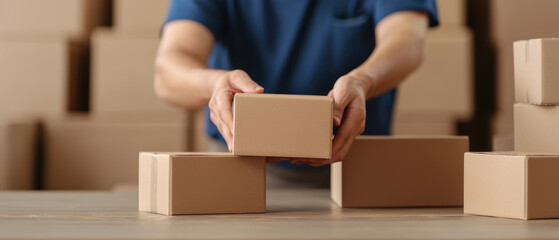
<point>41,75</point>
<point>424,123</point>
<point>69,18</point>
<point>282,125</point>
<point>444,81</point>
<point>123,64</point>
<point>134,15</point>
<point>18,142</point>
<point>201,183</point>
<point>511,185</point>
<point>99,152</point>
<point>399,171</point>
<point>536,75</point>
<point>452,12</point>
<point>536,128</point>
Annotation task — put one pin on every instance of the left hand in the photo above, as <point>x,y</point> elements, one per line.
<point>349,95</point>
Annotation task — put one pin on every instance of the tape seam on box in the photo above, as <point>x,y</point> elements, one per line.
<point>153,184</point>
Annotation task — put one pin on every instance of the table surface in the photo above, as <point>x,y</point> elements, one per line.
<point>291,214</point>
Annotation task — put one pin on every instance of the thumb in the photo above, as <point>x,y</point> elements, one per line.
<point>240,80</point>
<point>341,101</point>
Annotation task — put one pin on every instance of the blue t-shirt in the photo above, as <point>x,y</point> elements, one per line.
<point>297,46</point>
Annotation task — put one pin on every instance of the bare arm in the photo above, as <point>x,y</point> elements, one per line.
<point>399,51</point>
<point>183,78</point>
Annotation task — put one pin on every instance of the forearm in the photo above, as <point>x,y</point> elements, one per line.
<point>399,52</point>
<point>183,80</point>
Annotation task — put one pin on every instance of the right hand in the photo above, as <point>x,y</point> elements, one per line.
<point>223,90</point>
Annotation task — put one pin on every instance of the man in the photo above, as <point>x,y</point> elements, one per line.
<point>212,49</point>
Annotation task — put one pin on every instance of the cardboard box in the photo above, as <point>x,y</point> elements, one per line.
<point>98,152</point>
<point>536,128</point>
<point>513,20</point>
<point>18,142</point>
<point>132,15</point>
<point>282,125</point>
<point>398,171</point>
<point>443,83</point>
<point>452,12</point>
<point>201,183</point>
<point>200,141</point>
<point>536,75</point>
<point>511,185</point>
<point>41,75</point>
<point>69,18</point>
<point>424,123</point>
<point>123,65</point>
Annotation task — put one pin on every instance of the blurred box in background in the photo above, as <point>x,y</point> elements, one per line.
<point>452,12</point>
<point>536,128</point>
<point>514,20</point>
<point>18,143</point>
<point>41,75</point>
<point>133,15</point>
<point>101,152</point>
<point>440,91</point>
<point>504,142</point>
<point>69,18</point>
<point>123,70</point>
<point>199,141</point>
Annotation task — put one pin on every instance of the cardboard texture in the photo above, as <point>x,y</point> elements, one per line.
<point>123,63</point>
<point>513,20</point>
<point>511,185</point>
<point>18,140</point>
<point>48,69</point>
<point>452,12</point>
<point>443,83</point>
<point>535,128</point>
<point>201,183</point>
<point>536,75</point>
<point>282,125</point>
<point>424,123</point>
<point>399,171</point>
<point>69,18</point>
<point>98,152</point>
<point>133,15</point>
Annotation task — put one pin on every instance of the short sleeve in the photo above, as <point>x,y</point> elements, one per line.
<point>209,13</point>
<point>384,8</point>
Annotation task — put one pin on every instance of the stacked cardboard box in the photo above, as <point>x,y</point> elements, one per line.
<point>446,73</point>
<point>521,184</point>
<point>17,153</point>
<point>43,61</point>
<point>513,20</point>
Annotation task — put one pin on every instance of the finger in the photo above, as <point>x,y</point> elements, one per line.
<point>240,80</point>
<point>224,132</point>
<point>224,99</point>
<point>354,125</point>
<point>341,99</point>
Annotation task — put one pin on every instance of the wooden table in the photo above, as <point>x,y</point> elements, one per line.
<point>292,214</point>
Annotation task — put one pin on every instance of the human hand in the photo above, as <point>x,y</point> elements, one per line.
<point>223,89</point>
<point>349,95</point>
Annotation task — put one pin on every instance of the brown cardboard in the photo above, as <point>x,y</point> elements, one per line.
<point>536,128</point>
<point>199,141</point>
<point>98,152</point>
<point>133,15</point>
<point>400,171</point>
<point>452,12</point>
<point>123,65</point>
<point>513,20</point>
<point>424,123</point>
<point>536,74</point>
<point>70,18</point>
<point>511,185</point>
<point>201,183</point>
<point>18,140</point>
<point>41,75</point>
<point>282,125</point>
<point>443,83</point>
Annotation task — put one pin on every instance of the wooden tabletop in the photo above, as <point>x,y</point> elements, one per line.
<point>291,214</point>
